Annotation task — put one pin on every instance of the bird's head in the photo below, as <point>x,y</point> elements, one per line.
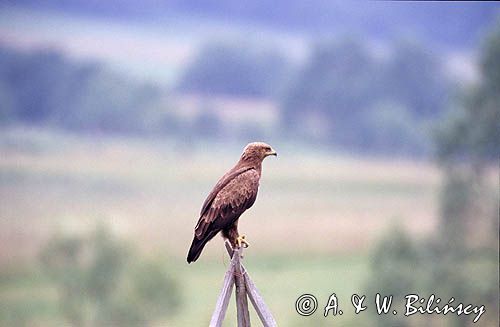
<point>257,151</point>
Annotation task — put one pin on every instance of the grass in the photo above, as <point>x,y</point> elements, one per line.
<point>281,280</point>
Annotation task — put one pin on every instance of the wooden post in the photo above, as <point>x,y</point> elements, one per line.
<point>223,300</point>
<point>258,303</point>
<point>241,293</point>
<point>265,315</point>
<point>237,274</point>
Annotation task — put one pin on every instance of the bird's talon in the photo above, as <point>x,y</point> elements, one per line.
<point>242,241</point>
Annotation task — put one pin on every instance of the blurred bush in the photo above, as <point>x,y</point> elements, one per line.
<point>396,269</point>
<point>100,282</point>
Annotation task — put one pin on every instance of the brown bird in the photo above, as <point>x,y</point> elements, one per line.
<point>234,193</point>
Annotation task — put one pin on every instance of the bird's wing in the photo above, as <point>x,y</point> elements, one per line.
<point>235,196</point>
<point>228,177</point>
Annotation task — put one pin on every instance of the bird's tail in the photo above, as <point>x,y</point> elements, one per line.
<point>196,248</point>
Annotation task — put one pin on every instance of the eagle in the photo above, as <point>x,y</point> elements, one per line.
<point>234,193</point>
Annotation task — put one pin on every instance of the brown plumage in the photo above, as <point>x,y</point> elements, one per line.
<point>234,193</point>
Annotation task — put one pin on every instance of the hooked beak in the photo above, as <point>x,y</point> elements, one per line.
<point>271,153</point>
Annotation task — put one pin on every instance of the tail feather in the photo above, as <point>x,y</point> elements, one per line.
<point>196,249</point>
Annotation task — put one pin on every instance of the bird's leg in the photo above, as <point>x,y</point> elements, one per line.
<point>241,240</point>
<point>234,237</point>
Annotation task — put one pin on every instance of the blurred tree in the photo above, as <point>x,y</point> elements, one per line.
<point>7,104</point>
<point>207,124</point>
<point>461,260</point>
<point>455,203</point>
<point>33,80</point>
<point>150,284</point>
<point>236,70</point>
<point>338,82</point>
<point>43,87</point>
<point>472,133</point>
<point>105,269</point>
<point>103,101</point>
<point>349,88</point>
<point>63,260</point>
<point>467,145</point>
<point>414,78</point>
<point>165,122</point>
<point>101,283</point>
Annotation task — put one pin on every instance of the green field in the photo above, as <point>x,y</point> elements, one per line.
<point>311,230</point>
<point>281,280</point>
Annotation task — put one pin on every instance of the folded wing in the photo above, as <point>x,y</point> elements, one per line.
<point>236,196</point>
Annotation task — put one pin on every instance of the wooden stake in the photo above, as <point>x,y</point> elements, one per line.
<point>237,274</point>
<point>265,315</point>
<point>223,300</point>
<point>240,292</point>
<point>258,303</point>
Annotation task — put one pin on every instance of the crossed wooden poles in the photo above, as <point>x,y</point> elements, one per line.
<point>237,275</point>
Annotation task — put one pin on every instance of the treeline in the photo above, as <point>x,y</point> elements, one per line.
<point>344,96</point>
<point>44,87</point>
<point>236,69</point>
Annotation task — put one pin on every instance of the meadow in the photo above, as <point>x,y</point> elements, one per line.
<point>311,230</point>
